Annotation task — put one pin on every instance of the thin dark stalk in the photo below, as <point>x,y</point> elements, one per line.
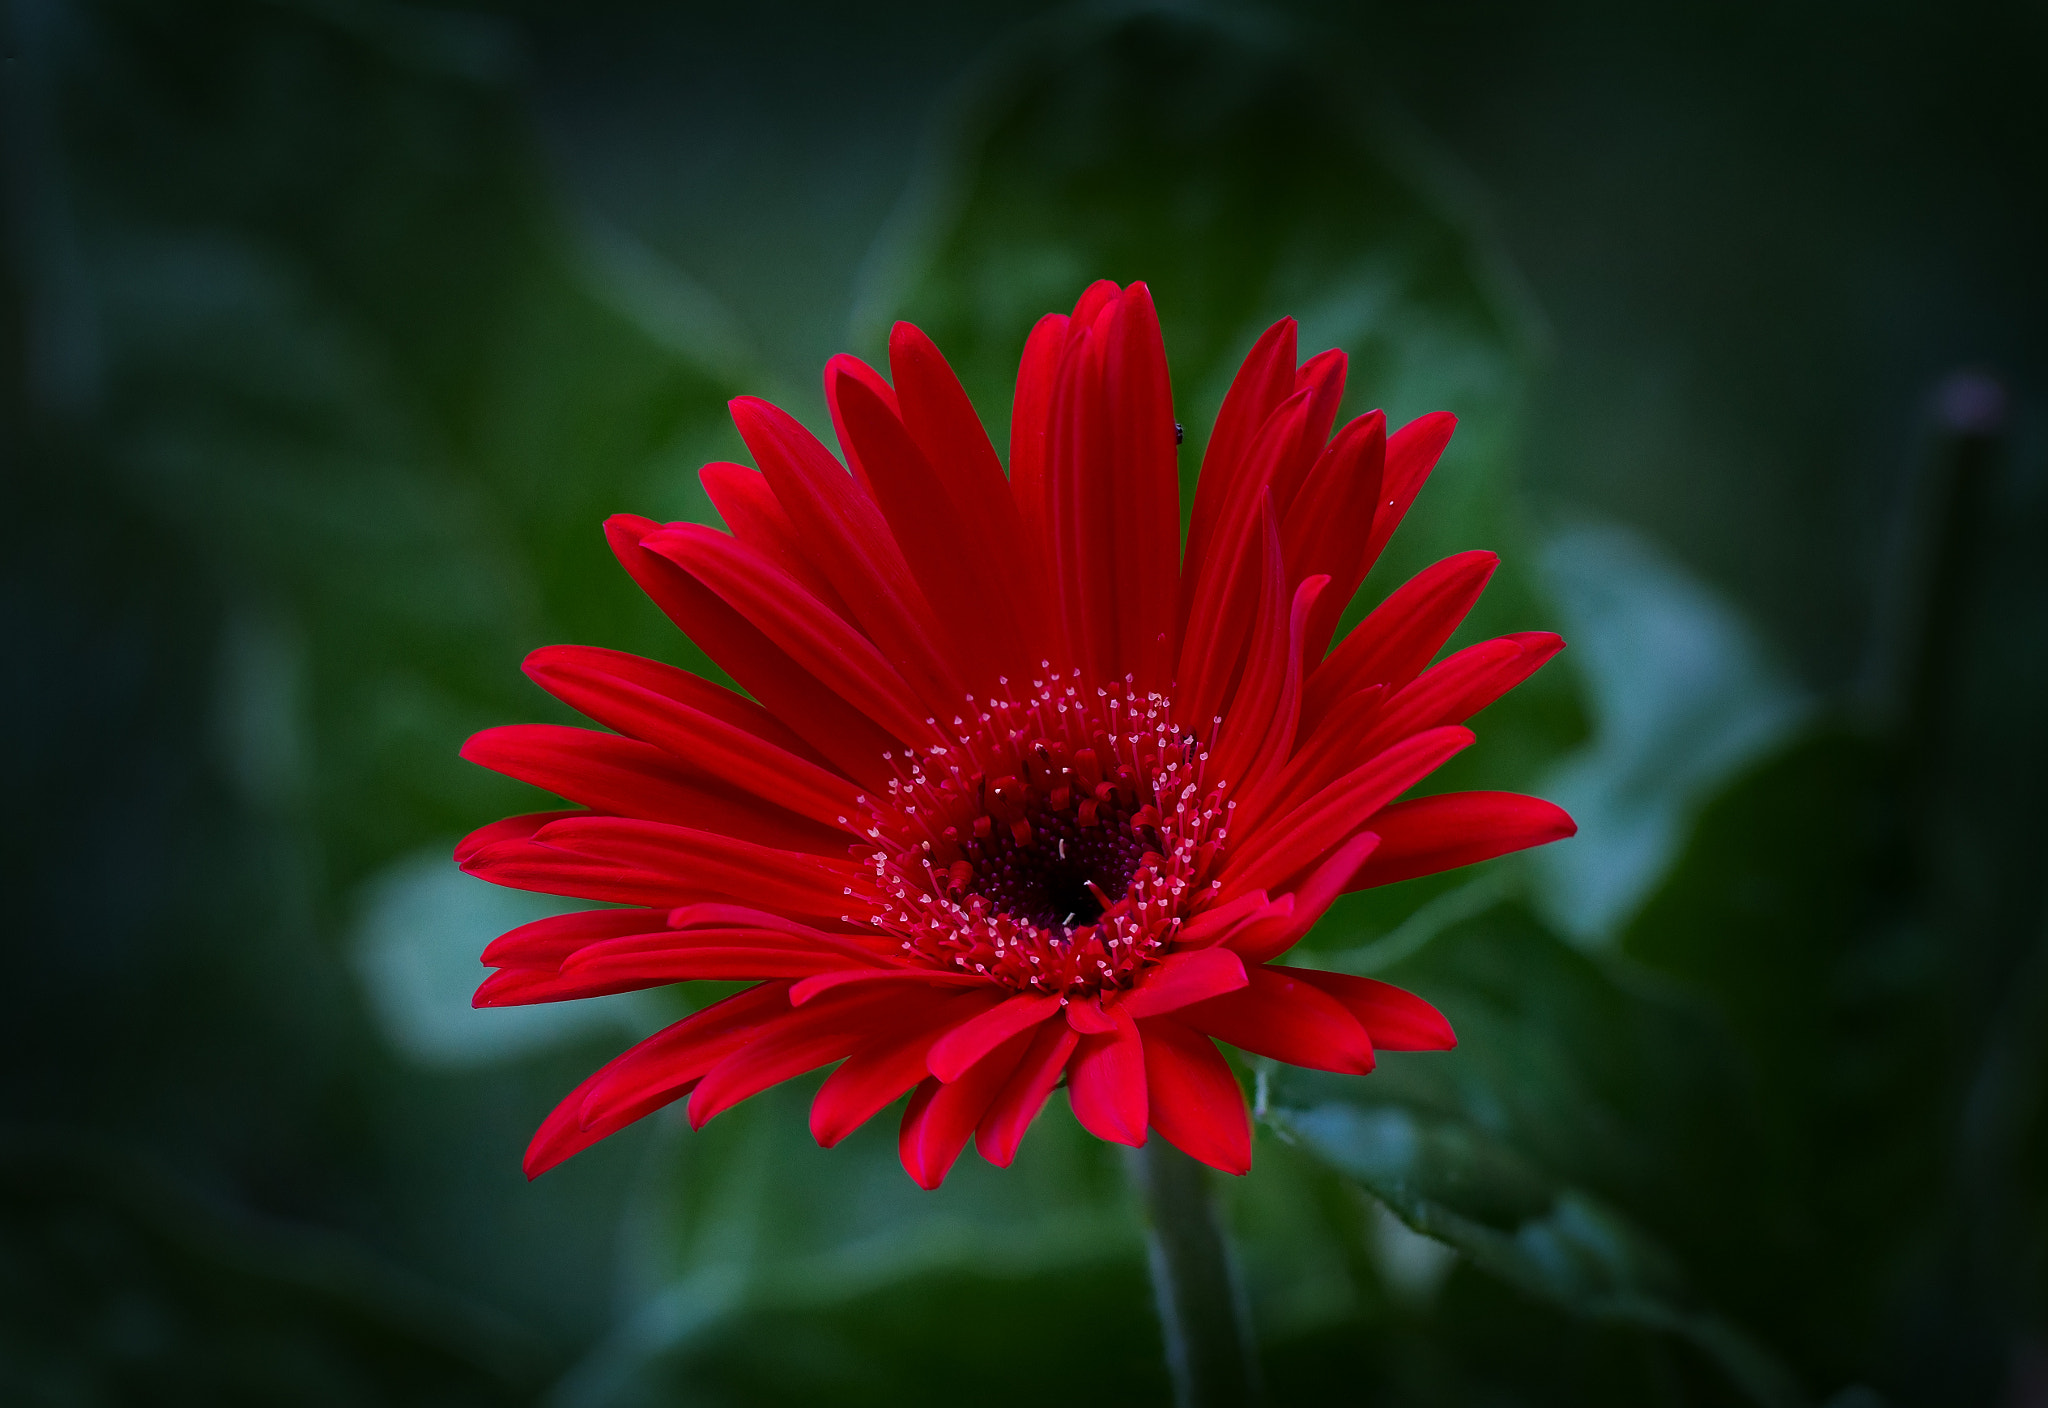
<point>1201,1308</point>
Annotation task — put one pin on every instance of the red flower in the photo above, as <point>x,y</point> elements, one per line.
<point>1024,793</point>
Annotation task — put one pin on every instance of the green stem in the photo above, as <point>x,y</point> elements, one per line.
<point>1201,1311</point>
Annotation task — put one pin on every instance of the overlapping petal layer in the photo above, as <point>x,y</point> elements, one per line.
<point>1025,793</point>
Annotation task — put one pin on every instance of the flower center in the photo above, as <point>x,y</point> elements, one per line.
<point>1057,843</point>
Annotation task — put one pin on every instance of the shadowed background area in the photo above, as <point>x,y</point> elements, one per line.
<point>333,331</point>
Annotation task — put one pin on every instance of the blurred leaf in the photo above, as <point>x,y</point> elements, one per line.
<point>1682,697</point>
<point>1549,1146</point>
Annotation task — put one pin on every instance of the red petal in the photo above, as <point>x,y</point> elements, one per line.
<point>1322,376</point>
<point>1401,636</point>
<point>754,516</point>
<point>846,661</point>
<point>652,1073</point>
<point>1257,943</point>
<point>1287,844</point>
<point>1326,527</point>
<point>1002,1129</point>
<point>808,1037</point>
<point>553,664</point>
<point>1429,834</point>
<point>1030,421</point>
<point>1195,1101</point>
<point>1113,500</point>
<point>1455,689</point>
<point>1218,922</point>
<point>1106,1083</point>
<point>1265,380</point>
<point>942,421</point>
<point>889,1064</point>
<point>703,743</point>
<point>941,1115</point>
<point>1412,452</point>
<point>845,536</point>
<point>1147,484</point>
<point>511,828</point>
<point>973,1039</point>
<point>1281,1016</point>
<point>832,981</point>
<point>786,690</point>
<point>669,864</point>
<point>546,942</point>
<point>1186,977</point>
<point>951,562</point>
<point>842,366</point>
<point>549,870</point>
<point>1225,600</point>
<point>629,778</point>
<point>1396,1019</point>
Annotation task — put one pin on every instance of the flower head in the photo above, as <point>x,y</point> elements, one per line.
<point>1024,792</point>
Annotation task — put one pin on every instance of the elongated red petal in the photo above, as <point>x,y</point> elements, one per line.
<point>1290,843</point>
<point>1256,943</point>
<point>1024,1094</point>
<point>1106,1083</point>
<point>950,560</point>
<point>1194,1100</point>
<point>1282,1016</point>
<point>1322,376</point>
<point>512,828</point>
<point>1186,977</point>
<point>546,942</point>
<point>553,665</point>
<point>1412,452</point>
<point>973,1039</point>
<point>803,628</point>
<point>755,517</point>
<point>807,1038</point>
<point>1429,834</point>
<point>1328,525</point>
<point>942,1115</point>
<point>630,778</point>
<point>1139,401</point>
<point>652,1073</point>
<point>669,864</point>
<point>890,1062</point>
<point>1396,1019</point>
<point>1266,700</point>
<point>845,536</point>
<point>942,421</point>
<point>1266,378</point>
<point>794,696</point>
<point>841,976</point>
<point>1225,599</point>
<point>1030,425</point>
<point>707,745</point>
<point>1402,635</point>
<point>842,367</point>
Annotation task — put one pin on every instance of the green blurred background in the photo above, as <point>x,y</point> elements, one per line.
<point>334,328</point>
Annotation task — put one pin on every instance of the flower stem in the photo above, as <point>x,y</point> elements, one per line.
<point>1201,1310</point>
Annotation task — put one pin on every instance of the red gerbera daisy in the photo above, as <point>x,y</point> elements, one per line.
<point>1023,793</point>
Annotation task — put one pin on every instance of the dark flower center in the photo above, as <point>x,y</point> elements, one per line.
<point>1066,874</point>
<point>1056,842</point>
